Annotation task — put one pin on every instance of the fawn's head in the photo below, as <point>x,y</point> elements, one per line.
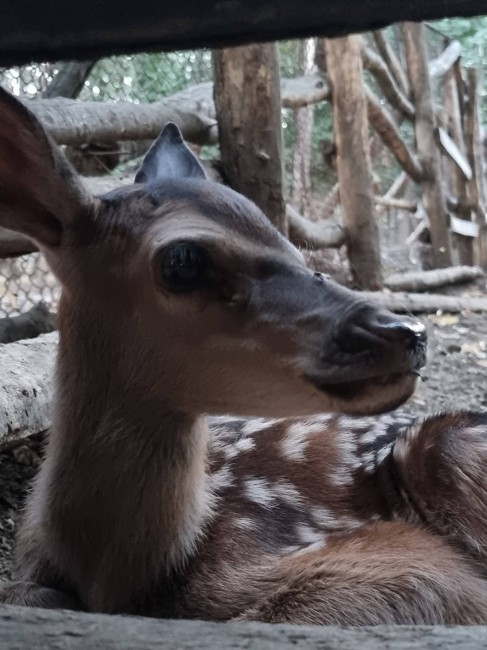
<point>198,294</point>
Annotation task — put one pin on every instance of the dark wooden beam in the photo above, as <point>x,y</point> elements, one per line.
<point>51,31</point>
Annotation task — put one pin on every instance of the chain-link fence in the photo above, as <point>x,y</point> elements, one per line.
<point>27,280</point>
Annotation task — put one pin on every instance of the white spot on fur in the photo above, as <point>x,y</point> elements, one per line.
<point>368,462</point>
<point>295,441</point>
<point>290,549</point>
<point>256,426</point>
<point>287,493</point>
<point>259,491</point>
<point>384,452</point>
<point>245,444</point>
<point>342,476</point>
<point>222,479</point>
<point>231,451</point>
<point>316,546</point>
<point>308,535</point>
<point>329,521</point>
<point>401,445</point>
<point>244,522</point>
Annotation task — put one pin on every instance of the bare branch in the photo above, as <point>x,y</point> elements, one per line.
<point>398,204</point>
<point>389,133</point>
<point>391,61</point>
<point>376,66</point>
<point>397,186</point>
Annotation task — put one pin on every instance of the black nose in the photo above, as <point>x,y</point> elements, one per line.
<point>393,328</point>
<point>388,333</point>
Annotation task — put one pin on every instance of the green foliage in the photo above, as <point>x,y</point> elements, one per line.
<point>147,77</point>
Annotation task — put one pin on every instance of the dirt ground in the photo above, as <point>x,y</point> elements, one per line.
<point>454,378</point>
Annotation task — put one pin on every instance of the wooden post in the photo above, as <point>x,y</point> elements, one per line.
<point>248,103</point>
<point>428,152</point>
<point>473,140</point>
<point>454,124</point>
<point>344,65</point>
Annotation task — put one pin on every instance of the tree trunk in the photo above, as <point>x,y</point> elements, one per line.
<point>476,186</point>
<point>454,126</point>
<point>424,124</point>
<point>344,64</point>
<point>248,104</point>
<point>301,197</point>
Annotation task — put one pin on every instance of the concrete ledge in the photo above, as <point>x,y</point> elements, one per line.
<point>40,629</point>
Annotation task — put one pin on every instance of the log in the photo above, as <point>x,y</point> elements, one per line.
<point>73,122</point>
<point>38,320</point>
<point>303,232</point>
<point>432,191</point>
<point>423,303</point>
<point>304,91</point>
<point>386,82</point>
<point>25,628</point>
<point>26,370</point>
<point>419,281</point>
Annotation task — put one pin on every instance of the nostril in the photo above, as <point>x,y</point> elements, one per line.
<point>372,330</point>
<point>393,328</point>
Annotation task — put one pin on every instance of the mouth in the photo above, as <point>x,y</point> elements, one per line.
<point>378,393</point>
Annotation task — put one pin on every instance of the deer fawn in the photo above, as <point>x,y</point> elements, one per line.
<point>179,300</point>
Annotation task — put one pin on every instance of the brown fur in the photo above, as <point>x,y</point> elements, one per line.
<point>144,507</point>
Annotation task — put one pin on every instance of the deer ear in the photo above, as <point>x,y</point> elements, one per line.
<point>39,191</point>
<point>169,157</point>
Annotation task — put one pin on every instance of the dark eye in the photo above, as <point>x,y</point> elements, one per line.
<point>183,266</point>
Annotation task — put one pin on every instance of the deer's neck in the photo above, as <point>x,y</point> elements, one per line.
<point>123,491</point>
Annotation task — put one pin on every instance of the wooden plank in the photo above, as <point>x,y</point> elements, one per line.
<point>50,30</point>
<point>38,629</point>
<point>452,151</point>
<point>463,227</point>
